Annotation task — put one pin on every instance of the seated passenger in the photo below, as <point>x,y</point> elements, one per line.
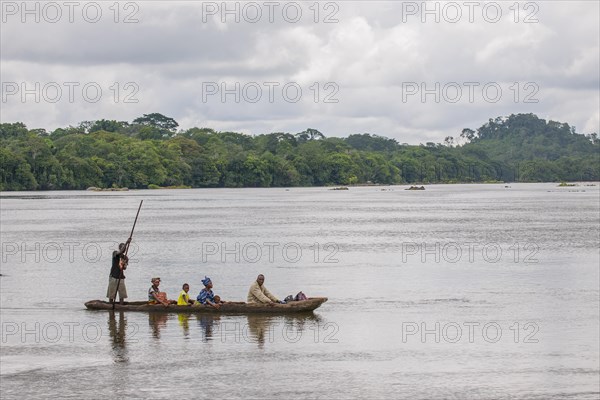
<point>206,295</point>
<point>184,297</point>
<point>155,296</point>
<point>258,293</point>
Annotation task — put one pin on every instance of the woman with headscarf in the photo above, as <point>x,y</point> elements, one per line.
<point>206,295</point>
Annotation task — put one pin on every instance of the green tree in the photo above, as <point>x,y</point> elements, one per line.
<point>309,134</point>
<point>157,120</point>
<point>108,126</point>
<point>14,130</point>
<point>15,172</point>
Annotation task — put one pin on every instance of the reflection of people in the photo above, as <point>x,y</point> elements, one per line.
<point>155,296</point>
<point>117,333</point>
<point>157,321</point>
<point>184,297</point>
<point>207,322</point>
<point>206,295</point>
<point>116,278</point>
<point>184,322</point>
<point>259,326</point>
<point>258,293</point>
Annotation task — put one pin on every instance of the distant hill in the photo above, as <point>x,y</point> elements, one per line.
<point>535,149</point>
<point>526,137</point>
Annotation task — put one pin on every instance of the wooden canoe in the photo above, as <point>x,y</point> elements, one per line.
<point>227,308</point>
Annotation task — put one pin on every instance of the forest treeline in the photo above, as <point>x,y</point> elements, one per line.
<point>150,152</point>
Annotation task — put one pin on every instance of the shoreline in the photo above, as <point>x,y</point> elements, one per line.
<point>568,184</point>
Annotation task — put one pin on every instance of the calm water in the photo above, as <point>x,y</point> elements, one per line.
<point>461,291</point>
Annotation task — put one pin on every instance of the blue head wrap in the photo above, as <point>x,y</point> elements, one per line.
<point>206,281</point>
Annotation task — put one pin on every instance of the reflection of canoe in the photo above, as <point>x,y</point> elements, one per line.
<point>227,308</point>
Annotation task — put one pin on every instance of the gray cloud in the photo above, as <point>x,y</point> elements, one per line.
<point>370,55</point>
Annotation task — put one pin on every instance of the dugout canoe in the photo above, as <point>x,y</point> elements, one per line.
<point>228,308</point>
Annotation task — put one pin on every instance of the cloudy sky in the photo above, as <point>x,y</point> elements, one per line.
<point>409,70</point>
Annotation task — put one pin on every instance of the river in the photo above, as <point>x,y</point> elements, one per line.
<point>458,291</point>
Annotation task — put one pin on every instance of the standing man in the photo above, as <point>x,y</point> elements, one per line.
<point>116,277</point>
<point>258,293</point>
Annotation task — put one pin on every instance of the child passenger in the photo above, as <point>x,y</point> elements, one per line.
<point>184,297</point>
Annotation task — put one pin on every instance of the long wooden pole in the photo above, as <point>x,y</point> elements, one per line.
<point>126,250</point>
<point>134,222</point>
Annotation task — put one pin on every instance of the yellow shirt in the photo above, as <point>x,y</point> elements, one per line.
<point>183,299</point>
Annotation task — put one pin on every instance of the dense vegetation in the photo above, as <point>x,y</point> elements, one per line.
<point>149,151</point>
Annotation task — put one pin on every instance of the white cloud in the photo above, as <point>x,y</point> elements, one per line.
<point>369,54</point>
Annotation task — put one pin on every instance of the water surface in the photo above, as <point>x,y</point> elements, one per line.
<point>465,291</point>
